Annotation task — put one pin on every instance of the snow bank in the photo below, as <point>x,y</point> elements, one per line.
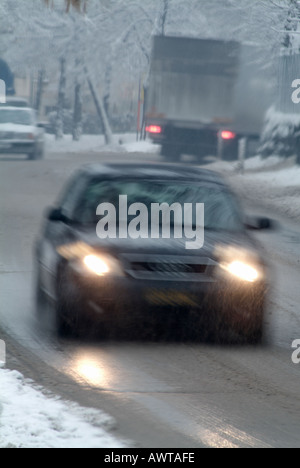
<point>141,147</point>
<point>289,177</point>
<point>258,163</point>
<point>278,190</point>
<point>96,144</point>
<point>275,182</point>
<point>30,419</point>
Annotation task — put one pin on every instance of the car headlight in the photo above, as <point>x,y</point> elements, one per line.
<point>102,265</point>
<point>240,263</point>
<point>242,271</point>
<point>96,265</point>
<point>86,261</point>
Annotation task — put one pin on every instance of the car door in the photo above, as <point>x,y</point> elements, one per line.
<point>58,233</point>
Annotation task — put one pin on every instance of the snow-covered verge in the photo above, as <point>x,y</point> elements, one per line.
<point>277,191</point>
<point>96,144</point>
<point>274,181</point>
<point>29,418</point>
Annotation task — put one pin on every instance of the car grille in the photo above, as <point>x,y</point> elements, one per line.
<point>170,269</point>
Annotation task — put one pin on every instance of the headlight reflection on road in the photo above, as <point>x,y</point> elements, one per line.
<point>90,372</point>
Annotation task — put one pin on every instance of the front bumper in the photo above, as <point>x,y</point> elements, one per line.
<point>209,304</point>
<point>16,147</point>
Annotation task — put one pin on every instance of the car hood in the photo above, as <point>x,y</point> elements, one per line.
<point>9,127</point>
<point>165,247</point>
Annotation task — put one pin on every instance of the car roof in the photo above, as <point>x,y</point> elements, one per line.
<point>152,171</point>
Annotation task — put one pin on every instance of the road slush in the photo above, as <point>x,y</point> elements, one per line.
<point>2,353</point>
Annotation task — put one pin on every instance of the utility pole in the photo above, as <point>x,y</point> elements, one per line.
<point>40,88</point>
<point>59,127</point>
<point>164,17</point>
<point>100,110</point>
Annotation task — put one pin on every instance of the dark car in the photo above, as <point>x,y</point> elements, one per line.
<point>115,271</point>
<point>20,133</point>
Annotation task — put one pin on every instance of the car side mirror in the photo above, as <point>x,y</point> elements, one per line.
<point>260,224</point>
<point>56,215</point>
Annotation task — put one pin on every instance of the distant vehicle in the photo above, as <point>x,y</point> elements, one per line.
<point>15,102</point>
<point>203,96</point>
<point>124,284</point>
<point>20,132</point>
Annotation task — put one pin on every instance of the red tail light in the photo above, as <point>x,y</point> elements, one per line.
<point>227,135</point>
<point>153,129</point>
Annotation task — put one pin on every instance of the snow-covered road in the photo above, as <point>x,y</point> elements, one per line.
<point>161,395</point>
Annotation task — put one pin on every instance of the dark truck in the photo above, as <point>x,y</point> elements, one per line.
<point>204,96</point>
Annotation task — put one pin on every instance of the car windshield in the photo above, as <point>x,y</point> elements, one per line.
<point>16,116</point>
<point>220,207</point>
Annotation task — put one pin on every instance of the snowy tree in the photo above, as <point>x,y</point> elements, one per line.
<point>109,39</point>
<point>75,32</point>
<point>281,135</point>
<point>291,27</point>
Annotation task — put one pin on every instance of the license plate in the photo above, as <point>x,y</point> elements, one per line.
<point>171,298</point>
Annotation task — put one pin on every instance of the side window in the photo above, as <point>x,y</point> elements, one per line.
<point>70,197</point>
<point>85,210</point>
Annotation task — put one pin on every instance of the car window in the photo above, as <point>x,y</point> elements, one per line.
<point>221,210</point>
<point>16,116</point>
<point>69,198</point>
